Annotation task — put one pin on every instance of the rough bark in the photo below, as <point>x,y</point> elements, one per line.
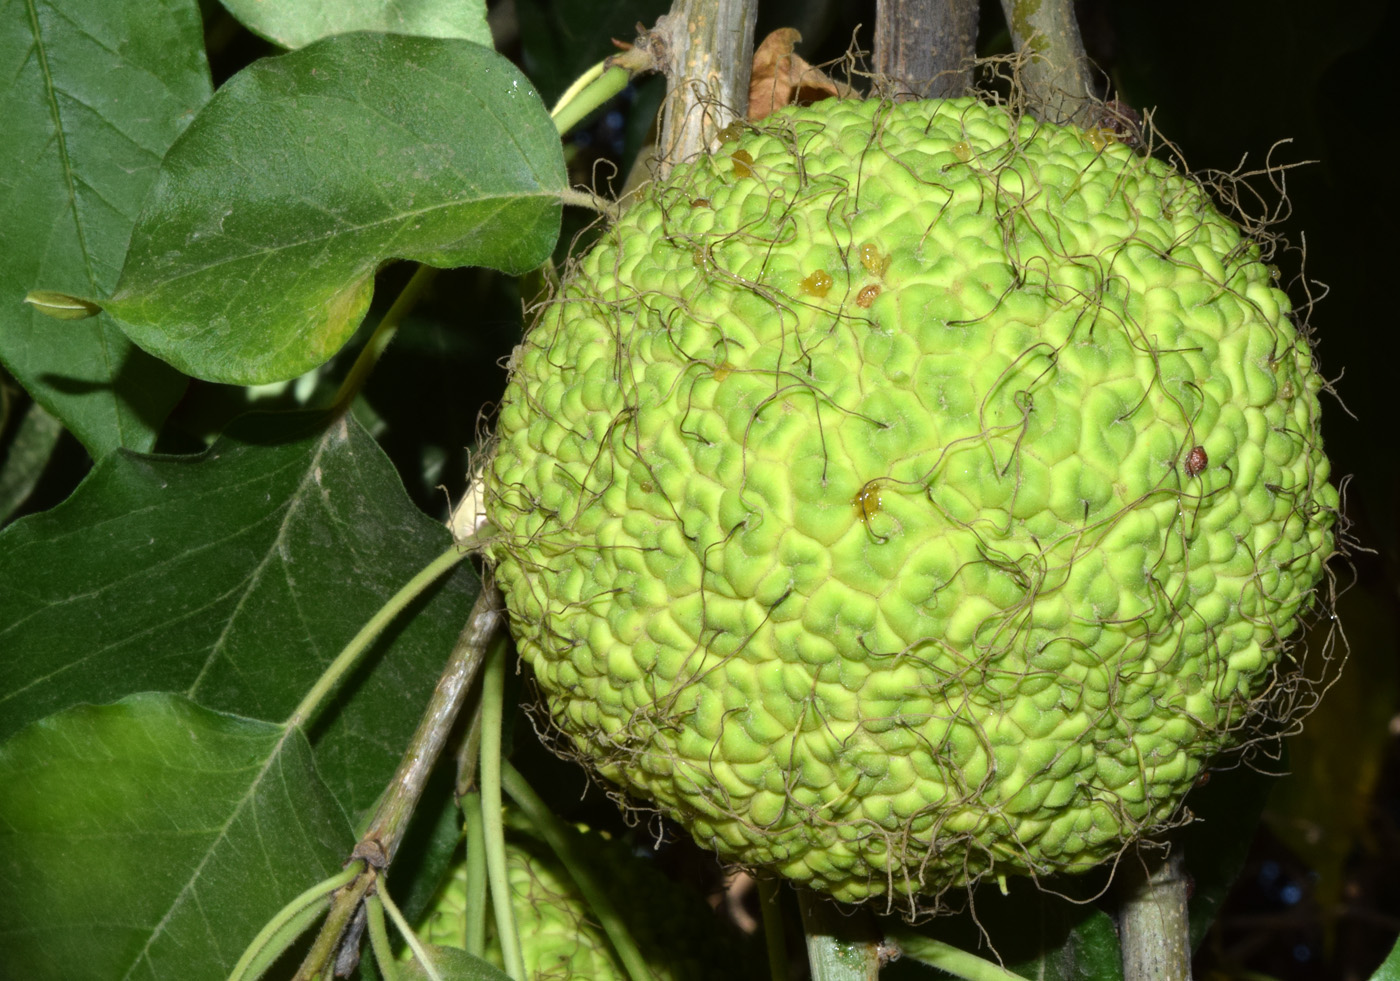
<point>1153,927</point>
<point>705,47</point>
<point>1054,70</point>
<point>925,48</point>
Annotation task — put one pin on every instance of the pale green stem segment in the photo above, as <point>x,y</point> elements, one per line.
<point>383,333</point>
<point>402,926</point>
<point>592,89</point>
<point>291,920</point>
<point>602,908</point>
<point>839,947</point>
<point>958,963</point>
<point>319,960</point>
<point>493,682</point>
<point>347,658</point>
<point>770,905</point>
<point>379,939</point>
<point>475,925</point>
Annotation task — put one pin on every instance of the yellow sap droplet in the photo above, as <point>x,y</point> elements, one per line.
<point>867,295</point>
<point>817,284</point>
<point>962,151</point>
<point>702,258</point>
<point>722,371</point>
<point>1098,137</point>
<point>873,259</point>
<point>743,163</point>
<point>731,132</point>
<point>867,502</point>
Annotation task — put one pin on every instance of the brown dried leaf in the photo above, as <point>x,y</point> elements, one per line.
<point>781,77</point>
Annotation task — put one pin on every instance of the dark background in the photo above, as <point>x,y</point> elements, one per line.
<point>1319,896</point>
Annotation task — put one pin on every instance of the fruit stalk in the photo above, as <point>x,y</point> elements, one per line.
<point>1153,926</point>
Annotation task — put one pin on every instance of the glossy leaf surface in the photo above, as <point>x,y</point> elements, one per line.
<point>254,258</point>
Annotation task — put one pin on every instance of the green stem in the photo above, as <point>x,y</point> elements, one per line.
<point>548,827</point>
<point>949,959</point>
<point>361,642</point>
<point>475,942</point>
<point>283,929</point>
<point>321,956</point>
<point>493,683</point>
<point>770,903</point>
<point>1054,69</point>
<point>592,89</point>
<point>383,333</point>
<point>401,924</point>
<point>1153,924</point>
<point>379,938</point>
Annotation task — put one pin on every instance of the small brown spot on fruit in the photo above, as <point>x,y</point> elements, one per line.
<point>1196,461</point>
<point>867,295</point>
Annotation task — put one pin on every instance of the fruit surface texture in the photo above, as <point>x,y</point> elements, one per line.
<point>907,493</point>
<point>562,939</point>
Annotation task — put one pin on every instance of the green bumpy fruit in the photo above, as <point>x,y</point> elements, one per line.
<point>907,493</point>
<point>561,938</point>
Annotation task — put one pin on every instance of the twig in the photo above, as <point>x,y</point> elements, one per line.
<point>705,47</point>
<point>381,839</point>
<point>1055,70</point>
<point>1153,928</point>
<point>926,47</point>
<point>839,947</point>
<point>386,828</point>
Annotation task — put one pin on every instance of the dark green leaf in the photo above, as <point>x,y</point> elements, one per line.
<point>94,92</point>
<point>233,577</point>
<point>153,838</point>
<point>1226,811</point>
<point>296,23</point>
<point>254,258</point>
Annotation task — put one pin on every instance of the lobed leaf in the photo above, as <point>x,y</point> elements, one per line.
<point>233,577</point>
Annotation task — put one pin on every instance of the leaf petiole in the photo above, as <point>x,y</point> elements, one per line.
<point>589,91</point>
<point>492,710</point>
<point>548,827</point>
<point>361,642</point>
<point>379,936</point>
<point>384,332</point>
<point>291,920</point>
